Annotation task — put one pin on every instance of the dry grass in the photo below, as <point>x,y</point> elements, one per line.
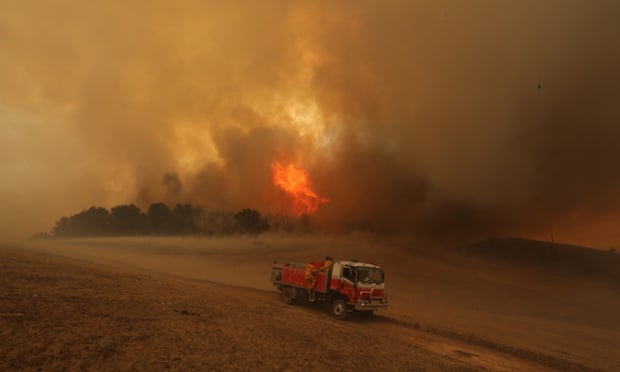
<point>153,305</point>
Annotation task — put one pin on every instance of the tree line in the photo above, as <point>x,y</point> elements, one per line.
<point>182,219</point>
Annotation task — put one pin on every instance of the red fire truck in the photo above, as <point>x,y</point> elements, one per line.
<point>348,286</point>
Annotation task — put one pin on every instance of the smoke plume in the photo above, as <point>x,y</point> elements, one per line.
<point>436,118</point>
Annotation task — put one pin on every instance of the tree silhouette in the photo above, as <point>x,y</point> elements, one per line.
<point>184,219</point>
<point>94,221</point>
<point>62,228</point>
<point>215,223</point>
<point>158,219</point>
<point>249,222</point>
<point>126,220</point>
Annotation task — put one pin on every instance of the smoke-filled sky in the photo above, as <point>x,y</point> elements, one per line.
<point>437,118</point>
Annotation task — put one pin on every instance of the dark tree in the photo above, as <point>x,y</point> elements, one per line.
<point>62,228</point>
<point>158,219</point>
<point>248,221</point>
<point>184,219</point>
<point>126,220</point>
<point>94,221</point>
<point>215,223</point>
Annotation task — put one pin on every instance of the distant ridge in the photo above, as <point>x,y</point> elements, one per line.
<point>566,258</point>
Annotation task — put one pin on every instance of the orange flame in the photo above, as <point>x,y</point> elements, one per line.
<point>296,182</point>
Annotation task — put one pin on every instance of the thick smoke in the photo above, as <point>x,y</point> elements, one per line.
<point>442,119</point>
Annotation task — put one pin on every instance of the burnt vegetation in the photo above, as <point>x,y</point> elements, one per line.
<point>183,219</point>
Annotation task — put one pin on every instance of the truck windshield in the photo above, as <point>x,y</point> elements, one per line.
<point>369,275</point>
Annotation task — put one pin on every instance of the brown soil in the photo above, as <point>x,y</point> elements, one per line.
<point>81,313</point>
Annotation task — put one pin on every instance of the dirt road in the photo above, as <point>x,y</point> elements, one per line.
<point>79,307</point>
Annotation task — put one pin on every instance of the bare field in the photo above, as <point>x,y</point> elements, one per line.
<point>173,303</point>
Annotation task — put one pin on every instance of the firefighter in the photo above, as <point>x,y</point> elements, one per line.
<point>310,280</point>
<point>327,264</point>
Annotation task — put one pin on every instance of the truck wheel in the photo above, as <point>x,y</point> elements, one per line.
<point>339,309</point>
<point>287,296</point>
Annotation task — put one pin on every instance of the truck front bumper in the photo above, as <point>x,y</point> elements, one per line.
<point>371,305</point>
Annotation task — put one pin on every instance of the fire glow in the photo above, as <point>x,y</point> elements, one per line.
<point>295,182</point>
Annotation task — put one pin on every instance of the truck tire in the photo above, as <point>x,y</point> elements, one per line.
<point>287,295</point>
<point>339,309</point>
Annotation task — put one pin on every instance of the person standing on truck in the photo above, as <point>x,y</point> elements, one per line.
<point>327,264</point>
<point>327,267</point>
<point>310,280</point>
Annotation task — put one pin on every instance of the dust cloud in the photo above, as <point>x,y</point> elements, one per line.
<point>440,119</point>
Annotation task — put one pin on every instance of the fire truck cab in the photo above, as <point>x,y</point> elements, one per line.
<point>348,286</point>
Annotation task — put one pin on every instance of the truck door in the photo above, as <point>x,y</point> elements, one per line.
<point>347,283</point>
